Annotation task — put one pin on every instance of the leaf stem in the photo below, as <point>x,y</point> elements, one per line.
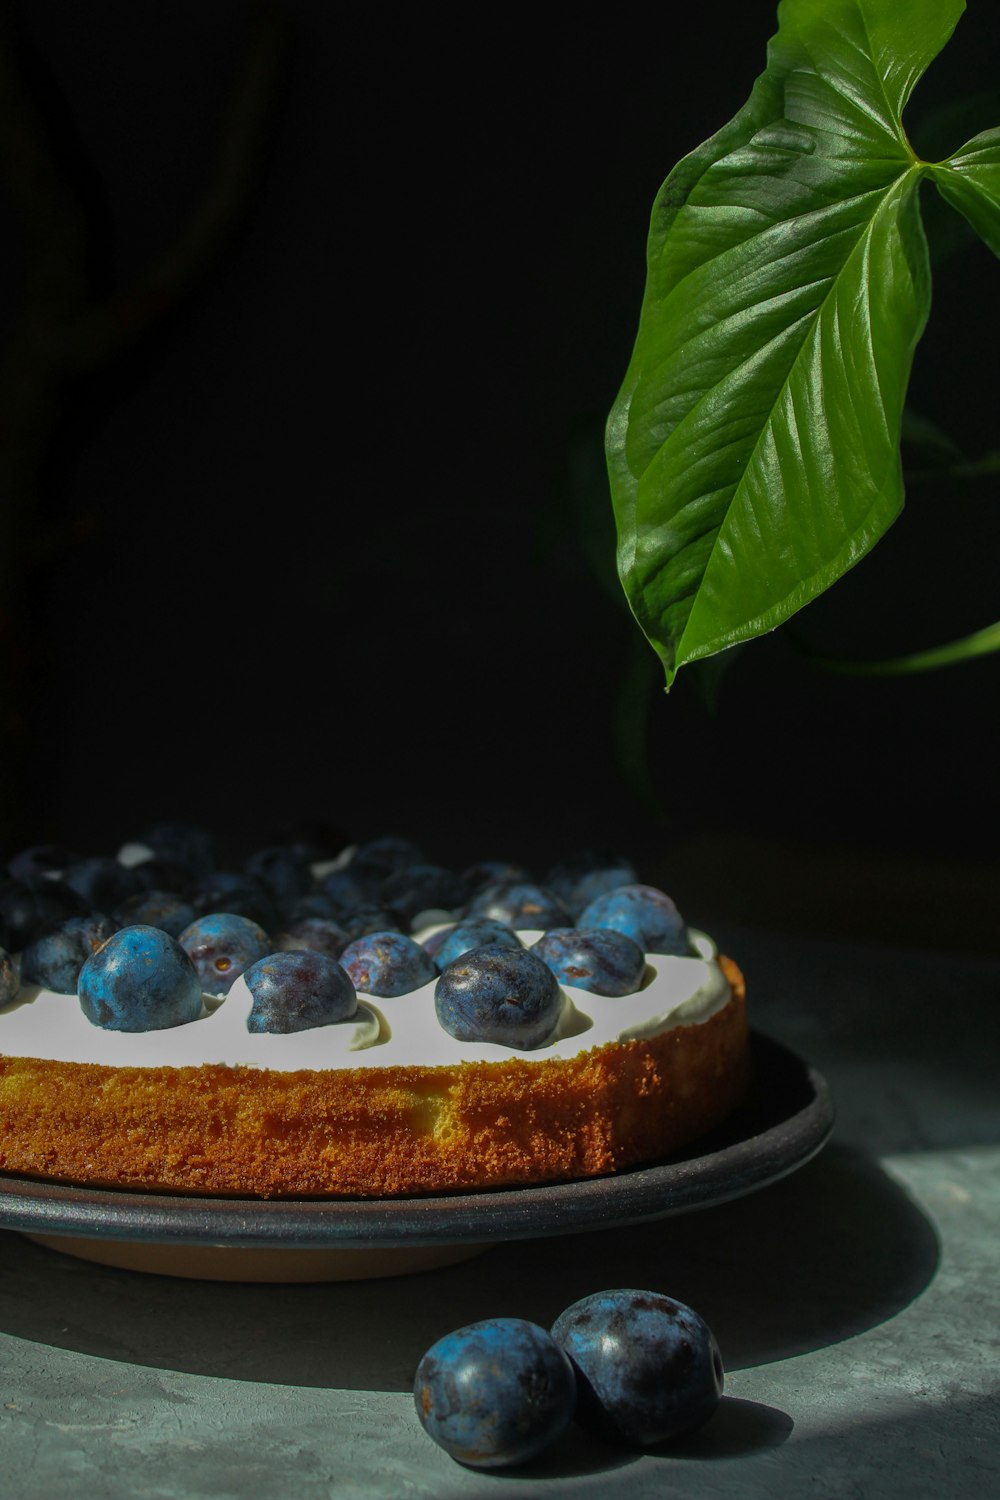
<point>966,648</point>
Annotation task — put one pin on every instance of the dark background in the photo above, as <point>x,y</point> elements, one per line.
<point>302,528</point>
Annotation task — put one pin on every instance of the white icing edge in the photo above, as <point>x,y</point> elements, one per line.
<point>403,1030</point>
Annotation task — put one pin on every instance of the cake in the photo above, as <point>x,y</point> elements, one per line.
<point>383,1101</point>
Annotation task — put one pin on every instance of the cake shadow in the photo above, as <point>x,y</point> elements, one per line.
<point>811,1260</point>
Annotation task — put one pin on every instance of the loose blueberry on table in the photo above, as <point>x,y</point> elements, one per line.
<point>648,1369</point>
<point>495,1393</point>
<point>642,1368</point>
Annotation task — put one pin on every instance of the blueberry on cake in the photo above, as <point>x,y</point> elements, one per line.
<point>368,1026</point>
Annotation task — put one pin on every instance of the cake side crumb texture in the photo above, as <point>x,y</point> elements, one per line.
<point>370,1133</point>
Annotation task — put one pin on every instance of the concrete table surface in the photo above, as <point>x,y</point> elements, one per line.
<point>856,1304</point>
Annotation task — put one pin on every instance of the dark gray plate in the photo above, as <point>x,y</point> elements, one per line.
<point>784,1123</point>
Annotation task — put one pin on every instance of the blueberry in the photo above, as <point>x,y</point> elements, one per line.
<point>153,908</point>
<point>494,872</point>
<point>348,889</point>
<point>648,1368</point>
<point>382,856</point>
<point>361,920</point>
<point>317,840</point>
<point>140,980</point>
<point>387,963</point>
<point>298,991</point>
<point>221,945</point>
<point>582,877</point>
<point>158,874</point>
<point>474,932</point>
<point>101,881</point>
<point>598,959</point>
<point>9,982</point>
<point>186,843</point>
<point>494,1393</point>
<point>242,894</point>
<point>228,880</point>
<point>644,914</point>
<point>520,905</point>
<point>419,888</point>
<point>29,907</point>
<point>434,941</point>
<point>285,871</point>
<point>497,994</point>
<point>40,859</point>
<point>55,958</point>
<point>302,908</point>
<point>321,934</point>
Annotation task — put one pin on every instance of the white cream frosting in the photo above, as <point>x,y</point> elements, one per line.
<point>403,1030</point>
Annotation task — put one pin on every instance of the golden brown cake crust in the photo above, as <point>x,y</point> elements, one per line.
<point>375,1132</point>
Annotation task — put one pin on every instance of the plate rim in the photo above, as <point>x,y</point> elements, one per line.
<point>639,1194</point>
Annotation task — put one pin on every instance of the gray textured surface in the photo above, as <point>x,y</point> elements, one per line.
<point>856,1304</point>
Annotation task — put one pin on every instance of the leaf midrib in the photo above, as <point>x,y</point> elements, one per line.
<point>912,172</point>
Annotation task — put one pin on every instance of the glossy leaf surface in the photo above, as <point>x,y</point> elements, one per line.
<point>970,181</point>
<point>753,450</point>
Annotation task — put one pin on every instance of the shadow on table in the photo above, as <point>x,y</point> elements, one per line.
<point>736,1429</point>
<point>824,1254</point>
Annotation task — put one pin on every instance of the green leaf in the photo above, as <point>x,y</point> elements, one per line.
<point>753,450</point>
<point>957,120</point>
<point>970,181</point>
